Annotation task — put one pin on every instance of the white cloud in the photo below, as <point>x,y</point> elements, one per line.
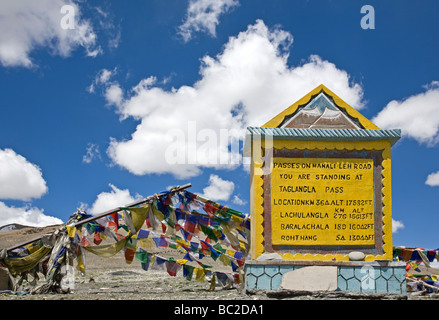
<point>22,180</point>
<point>238,201</point>
<point>433,179</point>
<point>110,200</point>
<point>203,16</point>
<point>92,153</point>
<point>114,94</point>
<point>417,116</point>
<point>19,179</point>
<point>396,226</point>
<point>27,25</point>
<point>218,189</point>
<point>102,78</point>
<point>247,83</point>
<point>27,215</point>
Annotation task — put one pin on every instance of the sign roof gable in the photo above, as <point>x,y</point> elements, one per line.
<point>320,109</point>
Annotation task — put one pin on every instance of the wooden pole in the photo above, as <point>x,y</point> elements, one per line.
<point>106,213</point>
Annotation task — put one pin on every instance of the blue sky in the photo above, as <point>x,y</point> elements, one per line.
<point>99,99</point>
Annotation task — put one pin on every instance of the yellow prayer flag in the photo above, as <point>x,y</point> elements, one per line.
<point>242,245</point>
<point>147,243</point>
<point>71,231</point>
<point>32,247</point>
<point>19,265</point>
<point>182,243</point>
<point>107,251</point>
<point>236,220</point>
<point>217,233</point>
<point>157,213</point>
<point>200,274</point>
<point>80,266</point>
<point>182,261</point>
<point>212,282</point>
<point>225,259</point>
<point>138,216</point>
<point>434,277</point>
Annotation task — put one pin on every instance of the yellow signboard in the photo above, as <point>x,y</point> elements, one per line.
<point>322,202</point>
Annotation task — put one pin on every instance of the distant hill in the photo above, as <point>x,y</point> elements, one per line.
<point>13,226</point>
<point>14,233</point>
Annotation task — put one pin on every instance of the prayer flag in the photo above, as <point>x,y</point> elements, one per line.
<point>80,266</point>
<point>160,242</point>
<point>205,246</point>
<point>182,261</point>
<point>71,231</point>
<point>172,267</point>
<point>212,282</point>
<point>144,258</point>
<point>143,234</point>
<point>219,248</point>
<point>200,274</point>
<point>97,239</point>
<point>115,217</point>
<point>214,253</point>
<point>129,255</point>
<point>158,263</point>
<point>225,259</point>
<point>188,271</point>
<point>84,241</point>
<point>146,243</point>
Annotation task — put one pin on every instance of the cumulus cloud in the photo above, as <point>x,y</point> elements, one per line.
<point>115,198</point>
<point>26,215</point>
<point>27,25</point>
<point>203,16</point>
<point>417,116</point>
<point>19,178</point>
<point>22,180</point>
<point>183,130</point>
<point>396,226</point>
<point>218,189</point>
<point>114,94</point>
<point>238,201</point>
<point>433,179</point>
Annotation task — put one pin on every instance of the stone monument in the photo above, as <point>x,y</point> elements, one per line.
<point>321,208</point>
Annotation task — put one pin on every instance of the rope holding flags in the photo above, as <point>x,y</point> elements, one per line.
<point>192,225</point>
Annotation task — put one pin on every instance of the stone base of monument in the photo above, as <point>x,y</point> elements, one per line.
<point>351,276</point>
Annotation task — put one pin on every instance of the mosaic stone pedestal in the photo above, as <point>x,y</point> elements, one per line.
<point>352,276</point>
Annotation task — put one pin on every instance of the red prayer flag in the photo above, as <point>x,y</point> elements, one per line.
<point>210,209</point>
<point>84,242</point>
<point>97,238</point>
<point>240,262</point>
<point>115,217</point>
<point>129,255</point>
